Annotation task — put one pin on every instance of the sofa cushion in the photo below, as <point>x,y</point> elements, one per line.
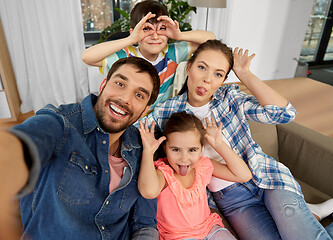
<point>266,137</point>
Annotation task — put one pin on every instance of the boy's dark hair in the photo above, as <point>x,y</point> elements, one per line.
<point>141,9</point>
<point>183,122</point>
<point>216,45</point>
<point>143,66</point>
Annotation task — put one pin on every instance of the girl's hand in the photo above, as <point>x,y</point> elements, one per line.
<point>148,138</point>
<point>242,62</point>
<point>168,27</point>
<point>213,132</point>
<point>143,28</point>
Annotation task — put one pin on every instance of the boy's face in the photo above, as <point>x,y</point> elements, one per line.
<point>154,43</point>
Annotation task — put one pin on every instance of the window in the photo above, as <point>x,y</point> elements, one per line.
<point>98,14</point>
<point>318,42</point>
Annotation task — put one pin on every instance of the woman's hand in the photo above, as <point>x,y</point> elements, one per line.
<point>242,62</point>
<point>149,142</point>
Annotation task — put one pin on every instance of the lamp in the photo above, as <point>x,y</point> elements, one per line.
<point>208,4</point>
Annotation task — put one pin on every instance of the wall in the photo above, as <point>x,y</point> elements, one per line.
<point>272,29</point>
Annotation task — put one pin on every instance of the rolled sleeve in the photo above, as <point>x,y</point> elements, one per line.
<point>271,114</point>
<point>32,160</point>
<point>41,136</point>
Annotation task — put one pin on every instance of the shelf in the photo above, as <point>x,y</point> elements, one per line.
<point>10,99</point>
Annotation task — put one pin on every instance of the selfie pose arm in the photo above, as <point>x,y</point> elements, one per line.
<point>151,181</point>
<point>264,94</point>
<point>13,177</point>
<point>235,169</point>
<point>95,55</point>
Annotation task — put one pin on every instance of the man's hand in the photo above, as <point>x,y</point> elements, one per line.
<point>13,176</point>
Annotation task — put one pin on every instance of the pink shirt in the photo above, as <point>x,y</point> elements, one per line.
<point>184,213</point>
<point>117,166</point>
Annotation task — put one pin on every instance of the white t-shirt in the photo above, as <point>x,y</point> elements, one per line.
<point>202,112</point>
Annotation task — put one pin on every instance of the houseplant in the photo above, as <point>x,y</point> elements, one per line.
<point>178,10</point>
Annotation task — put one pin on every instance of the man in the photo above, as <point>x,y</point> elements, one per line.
<point>82,162</point>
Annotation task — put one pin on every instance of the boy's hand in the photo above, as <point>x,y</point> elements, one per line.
<point>213,132</point>
<point>143,28</point>
<point>168,27</point>
<point>242,62</point>
<point>148,139</point>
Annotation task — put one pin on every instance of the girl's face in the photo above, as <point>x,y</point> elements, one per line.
<point>183,150</point>
<point>205,76</point>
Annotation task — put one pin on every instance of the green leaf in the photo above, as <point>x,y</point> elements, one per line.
<point>123,13</point>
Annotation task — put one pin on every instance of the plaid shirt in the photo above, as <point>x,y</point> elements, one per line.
<point>233,107</point>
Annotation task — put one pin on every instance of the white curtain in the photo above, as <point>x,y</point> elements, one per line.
<point>45,41</point>
<point>216,22</point>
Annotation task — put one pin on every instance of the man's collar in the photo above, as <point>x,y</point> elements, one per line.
<point>89,119</point>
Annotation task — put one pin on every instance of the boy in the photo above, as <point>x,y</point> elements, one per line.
<point>150,28</point>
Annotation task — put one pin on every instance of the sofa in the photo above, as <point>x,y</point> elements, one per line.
<point>308,154</point>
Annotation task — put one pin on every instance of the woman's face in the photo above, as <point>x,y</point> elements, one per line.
<point>205,76</point>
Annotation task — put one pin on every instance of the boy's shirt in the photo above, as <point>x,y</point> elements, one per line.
<point>165,64</point>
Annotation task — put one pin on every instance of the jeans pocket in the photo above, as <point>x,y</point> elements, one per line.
<point>78,182</point>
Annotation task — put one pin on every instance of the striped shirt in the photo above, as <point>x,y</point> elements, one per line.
<point>165,64</point>
<point>233,108</point>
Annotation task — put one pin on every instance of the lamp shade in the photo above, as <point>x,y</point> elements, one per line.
<point>208,3</point>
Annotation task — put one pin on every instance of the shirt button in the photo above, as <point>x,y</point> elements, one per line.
<point>98,129</point>
<point>86,167</point>
<point>103,227</point>
<point>104,142</point>
<point>106,171</point>
<point>107,202</point>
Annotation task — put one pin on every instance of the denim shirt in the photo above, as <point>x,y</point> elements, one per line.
<point>71,199</point>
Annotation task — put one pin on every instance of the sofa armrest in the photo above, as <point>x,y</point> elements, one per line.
<point>308,154</point>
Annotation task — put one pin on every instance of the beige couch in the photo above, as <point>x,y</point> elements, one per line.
<point>308,154</point>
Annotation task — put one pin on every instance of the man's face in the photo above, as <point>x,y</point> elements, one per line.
<point>123,99</point>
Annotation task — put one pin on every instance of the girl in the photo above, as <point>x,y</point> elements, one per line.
<point>179,180</point>
<point>261,207</point>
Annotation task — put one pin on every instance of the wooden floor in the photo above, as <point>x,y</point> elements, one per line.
<point>313,101</point>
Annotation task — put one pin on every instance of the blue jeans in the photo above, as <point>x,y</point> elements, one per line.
<point>148,233</point>
<point>257,213</point>
<point>217,232</point>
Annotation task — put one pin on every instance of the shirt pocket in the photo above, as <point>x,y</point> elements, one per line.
<point>78,182</point>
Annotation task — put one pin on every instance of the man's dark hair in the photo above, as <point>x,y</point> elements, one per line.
<point>143,66</point>
<point>141,9</point>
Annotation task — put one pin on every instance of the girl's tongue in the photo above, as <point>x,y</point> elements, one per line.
<point>183,170</point>
<point>201,91</point>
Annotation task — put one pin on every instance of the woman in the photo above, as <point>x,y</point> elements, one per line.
<point>271,204</point>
